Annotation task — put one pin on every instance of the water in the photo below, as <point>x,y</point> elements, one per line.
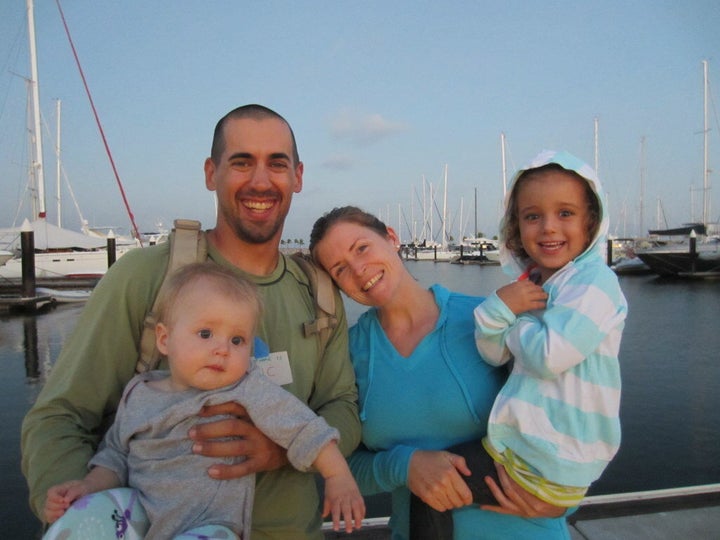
<point>670,358</point>
<point>28,346</point>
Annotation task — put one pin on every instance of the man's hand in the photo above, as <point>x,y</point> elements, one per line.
<point>261,453</point>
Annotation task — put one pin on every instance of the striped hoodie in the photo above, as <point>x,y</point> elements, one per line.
<point>559,410</point>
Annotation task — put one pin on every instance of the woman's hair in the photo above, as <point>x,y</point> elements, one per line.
<point>510,228</point>
<point>344,214</point>
<point>222,279</point>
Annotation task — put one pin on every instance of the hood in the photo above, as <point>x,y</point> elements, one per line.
<point>512,265</point>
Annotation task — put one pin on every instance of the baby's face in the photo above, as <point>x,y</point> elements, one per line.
<point>208,340</point>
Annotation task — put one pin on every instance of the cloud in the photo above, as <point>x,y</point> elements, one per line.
<point>338,163</point>
<point>363,129</point>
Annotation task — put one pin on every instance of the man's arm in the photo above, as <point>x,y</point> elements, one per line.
<point>335,395</point>
<point>77,404</point>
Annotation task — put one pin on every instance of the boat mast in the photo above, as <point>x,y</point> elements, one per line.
<point>504,165</point>
<point>425,215</point>
<point>597,148</point>
<point>37,165</point>
<point>461,235</point>
<point>58,165</point>
<point>399,229</point>
<point>642,186</point>
<point>706,171</point>
<point>413,228</point>
<point>432,210</point>
<point>475,230</point>
<point>444,217</point>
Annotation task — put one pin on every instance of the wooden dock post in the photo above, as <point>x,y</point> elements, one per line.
<point>27,242</point>
<point>27,299</point>
<point>111,254</point>
<point>693,251</point>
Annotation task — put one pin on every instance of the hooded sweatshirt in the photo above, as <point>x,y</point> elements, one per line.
<point>559,410</point>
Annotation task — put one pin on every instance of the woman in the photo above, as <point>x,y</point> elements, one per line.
<point>422,385</point>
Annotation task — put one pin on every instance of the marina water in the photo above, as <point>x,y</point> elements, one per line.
<point>670,359</point>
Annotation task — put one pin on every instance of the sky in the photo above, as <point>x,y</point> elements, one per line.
<point>383,97</point>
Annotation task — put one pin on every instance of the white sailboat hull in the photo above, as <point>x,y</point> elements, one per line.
<point>432,255</point>
<point>62,264</point>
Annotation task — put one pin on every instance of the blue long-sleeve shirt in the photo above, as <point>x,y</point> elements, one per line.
<point>438,396</point>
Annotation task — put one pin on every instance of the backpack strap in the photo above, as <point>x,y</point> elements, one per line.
<point>187,245</point>
<point>323,293</point>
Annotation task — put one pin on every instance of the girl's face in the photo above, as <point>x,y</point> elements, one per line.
<point>208,338</point>
<point>363,263</point>
<point>553,214</point>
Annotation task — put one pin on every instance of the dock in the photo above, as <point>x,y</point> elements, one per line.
<point>16,301</point>
<point>671,514</point>
<point>12,298</point>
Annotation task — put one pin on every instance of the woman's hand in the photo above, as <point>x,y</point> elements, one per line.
<point>516,501</point>
<point>261,453</point>
<point>434,476</point>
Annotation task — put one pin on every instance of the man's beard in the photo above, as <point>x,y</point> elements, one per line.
<point>251,233</point>
<point>248,231</point>
<point>255,235</point>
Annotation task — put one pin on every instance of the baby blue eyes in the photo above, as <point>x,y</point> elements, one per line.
<point>207,334</point>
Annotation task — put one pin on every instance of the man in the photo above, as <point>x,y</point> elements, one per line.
<point>255,169</point>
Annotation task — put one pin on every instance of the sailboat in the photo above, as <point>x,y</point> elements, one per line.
<point>697,253</point>
<point>59,252</point>
<point>429,249</point>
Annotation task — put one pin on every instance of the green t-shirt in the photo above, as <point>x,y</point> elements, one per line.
<point>79,399</point>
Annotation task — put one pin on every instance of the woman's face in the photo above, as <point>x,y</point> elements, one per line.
<point>363,263</point>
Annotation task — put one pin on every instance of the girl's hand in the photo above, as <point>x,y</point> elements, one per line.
<point>522,296</point>
<point>435,477</point>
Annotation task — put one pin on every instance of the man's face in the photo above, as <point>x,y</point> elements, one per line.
<point>255,178</point>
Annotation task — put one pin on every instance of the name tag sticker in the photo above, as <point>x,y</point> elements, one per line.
<point>276,367</point>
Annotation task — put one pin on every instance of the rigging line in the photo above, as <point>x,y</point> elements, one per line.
<point>99,125</point>
<point>407,223</point>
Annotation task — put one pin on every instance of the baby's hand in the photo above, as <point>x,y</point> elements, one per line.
<point>60,497</point>
<point>522,296</point>
<point>343,500</point>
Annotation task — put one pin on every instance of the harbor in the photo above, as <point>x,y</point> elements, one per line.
<point>671,394</point>
<point>665,481</point>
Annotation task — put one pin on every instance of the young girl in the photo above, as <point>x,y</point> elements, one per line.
<point>208,317</point>
<point>555,423</point>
